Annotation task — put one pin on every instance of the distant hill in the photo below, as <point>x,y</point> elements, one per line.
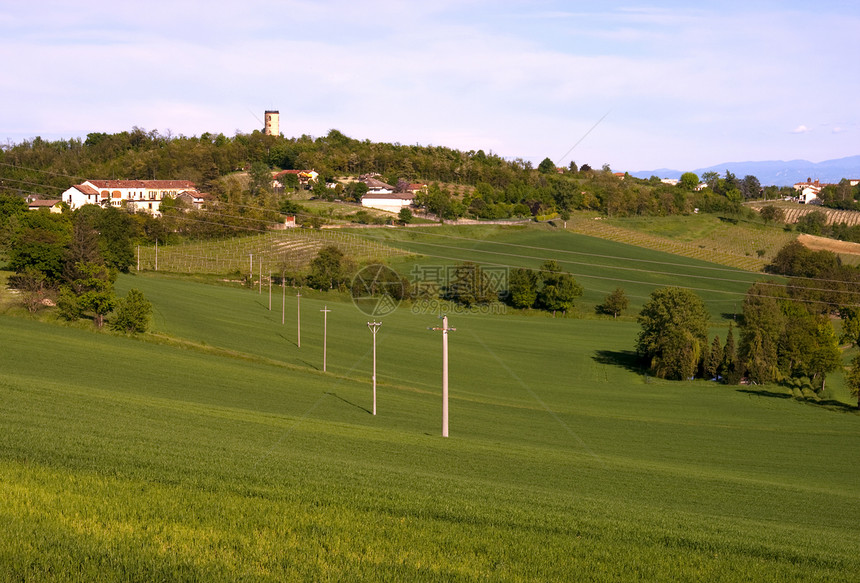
<point>776,172</point>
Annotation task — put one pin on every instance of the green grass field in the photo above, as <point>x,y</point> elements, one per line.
<point>599,265</point>
<point>736,242</point>
<point>216,449</point>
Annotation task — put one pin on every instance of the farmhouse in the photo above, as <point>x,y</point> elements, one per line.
<point>388,201</point>
<point>375,186</point>
<point>193,199</point>
<point>810,189</point>
<point>417,188</point>
<point>137,195</point>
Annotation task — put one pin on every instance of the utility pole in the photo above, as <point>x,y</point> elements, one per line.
<point>283,298</point>
<point>374,328</point>
<point>261,278</point>
<point>270,291</point>
<point>299,318</point>
<point>445,329</point>
<point>251,268</point>
<point>325,312</point>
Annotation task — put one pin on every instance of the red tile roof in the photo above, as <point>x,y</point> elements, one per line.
<point>44,202</point>
<point>152,184</point>
<point>88,190</point>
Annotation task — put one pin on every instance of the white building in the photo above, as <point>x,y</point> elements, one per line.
<point>808,195</point>
<point>137,195</point>
<point>53,205</point>
<point>388,201</point>
<point>375,186</point>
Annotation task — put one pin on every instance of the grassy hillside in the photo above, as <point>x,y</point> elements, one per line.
<point>740,243</point>
<point>599,265</point>
<point>230,456</point>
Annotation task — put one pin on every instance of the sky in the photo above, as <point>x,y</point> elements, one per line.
<point>636,85</point>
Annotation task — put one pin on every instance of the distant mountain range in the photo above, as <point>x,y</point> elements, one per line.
<point>777,173</point>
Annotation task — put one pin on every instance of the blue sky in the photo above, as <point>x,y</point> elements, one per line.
<point>681,85</point>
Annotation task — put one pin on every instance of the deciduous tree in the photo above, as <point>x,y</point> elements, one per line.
<point>558,289</point>
<point>132,313</point>
<point>615,303</point>
<point>674,332</point>
<point>470,286</point>
<point>689,181</point>
<point>852,379</point>
<point>91,291</point>
<point>329,269</point>
<point>522,287</point>
<point>546,166</point>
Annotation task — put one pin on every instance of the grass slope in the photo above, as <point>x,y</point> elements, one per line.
<point>232,457</point>
<point>599,265</point>
<point>740,243</point>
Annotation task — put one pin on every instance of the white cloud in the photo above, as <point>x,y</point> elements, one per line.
<point>687,86</point>
<point>801,129</point>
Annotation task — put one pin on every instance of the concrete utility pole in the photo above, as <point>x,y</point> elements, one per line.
<point>283,299</point>
<point>325,312</point>
<point>374,328</point>
<point>445,329</point>
<point>299,318</point>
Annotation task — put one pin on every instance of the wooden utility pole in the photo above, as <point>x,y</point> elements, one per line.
<point>299,318</point>
<point>325,312</point>
<point>374,328</point>
<point>445,329</point>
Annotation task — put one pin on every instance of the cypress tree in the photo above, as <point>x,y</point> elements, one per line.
<point>715,358</point>
<point>728,370</point>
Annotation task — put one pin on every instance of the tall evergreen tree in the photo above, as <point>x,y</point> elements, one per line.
<point>729,369</point>
<point>715,358</point>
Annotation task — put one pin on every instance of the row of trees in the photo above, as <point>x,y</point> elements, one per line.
<point>779,339</point>
<point>786,330</point>
<point>72,260</point>
<point>548,288</point>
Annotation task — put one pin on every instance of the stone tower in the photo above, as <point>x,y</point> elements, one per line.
<point>273,123</point>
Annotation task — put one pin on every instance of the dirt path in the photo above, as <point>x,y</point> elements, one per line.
<point>825,244</point>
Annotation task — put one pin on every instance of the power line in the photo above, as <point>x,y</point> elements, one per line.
<point>4,179</point>
<point>264,221</point>
<point>553,250</point>
<point>606,266</point>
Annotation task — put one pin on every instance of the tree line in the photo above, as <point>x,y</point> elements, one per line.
<point>498,187</point>
<point>786,333</point>
<point>72,260</point>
